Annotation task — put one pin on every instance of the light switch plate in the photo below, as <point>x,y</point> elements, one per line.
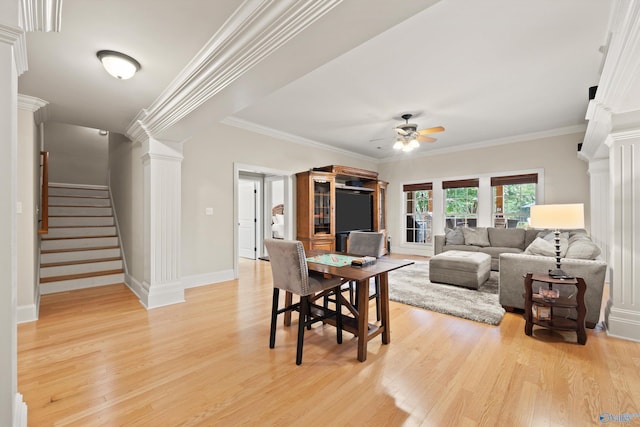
<point>208,211</point>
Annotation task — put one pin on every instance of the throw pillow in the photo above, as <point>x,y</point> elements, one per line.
<point>582,249</point>
<point>453,236</point>
<point>541,247</point>
<point>546,247</point>
<point>478,236</point>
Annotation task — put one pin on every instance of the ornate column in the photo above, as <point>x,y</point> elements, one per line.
<point>162,162</point>
<point>599,201</point>
<point>623,309</point>
<point>13,62</point>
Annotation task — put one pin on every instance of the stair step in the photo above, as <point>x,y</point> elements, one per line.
<point>77,262</point>
<point>67,270</point>
<point>78,242</point>
<point>61,190</point>
<point>81,283</point>
<point>68,277</point>
<point>79,211</point>
<point>78,201</point>
<point>80,231</point>
<point>72,221</point>
<point>62,250</point>
<point>78,255</point>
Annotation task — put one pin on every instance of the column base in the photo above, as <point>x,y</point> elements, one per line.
<point>622,323</point>
<point>158,295</point>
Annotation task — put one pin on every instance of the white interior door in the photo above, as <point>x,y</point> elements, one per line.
<point>247,219</point>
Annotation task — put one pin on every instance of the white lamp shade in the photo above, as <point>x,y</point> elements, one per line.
<point>118,64</point>
<point>566,216</point>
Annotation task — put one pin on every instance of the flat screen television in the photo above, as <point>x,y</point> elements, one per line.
<point>354,211</point>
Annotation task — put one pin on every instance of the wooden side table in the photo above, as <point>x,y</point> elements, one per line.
<point>546,305</point>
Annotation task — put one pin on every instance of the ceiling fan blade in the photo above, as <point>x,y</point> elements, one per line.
<point>431,130</point>
<point>426,139</point>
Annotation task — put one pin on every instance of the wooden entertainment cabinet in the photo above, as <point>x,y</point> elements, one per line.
<point>316,199</point>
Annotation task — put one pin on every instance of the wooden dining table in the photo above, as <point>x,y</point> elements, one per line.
<point>357,321</point>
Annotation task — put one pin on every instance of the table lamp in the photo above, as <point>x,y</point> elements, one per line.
<point>568,216</point>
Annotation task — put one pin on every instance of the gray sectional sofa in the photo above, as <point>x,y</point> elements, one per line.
<point>515,252</point>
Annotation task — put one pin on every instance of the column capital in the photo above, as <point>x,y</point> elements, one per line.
<point>153,148</point>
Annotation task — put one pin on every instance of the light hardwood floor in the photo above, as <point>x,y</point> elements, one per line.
<point>97,357</point>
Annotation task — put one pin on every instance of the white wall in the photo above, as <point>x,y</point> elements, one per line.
<point>565,176</point>
<point>77,154</point>
<point>125,176</point>
<point>207,180</point>
<point>28,194</point>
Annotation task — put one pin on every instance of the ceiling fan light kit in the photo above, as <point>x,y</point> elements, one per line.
<point>409,137</point>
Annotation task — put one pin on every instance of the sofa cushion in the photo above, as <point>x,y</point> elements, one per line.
<point>581,247</point>
<point>477,236</point>
<point>507,237</point>
<point>544,247</point>
<point>530,235</point>
<point>460,248</point>
<point>495,251</point>
<point>453,236</point>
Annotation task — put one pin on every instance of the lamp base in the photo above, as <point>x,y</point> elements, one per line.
<point>559,274</point>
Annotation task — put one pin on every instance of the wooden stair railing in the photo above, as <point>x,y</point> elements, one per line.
<point>44,191</point>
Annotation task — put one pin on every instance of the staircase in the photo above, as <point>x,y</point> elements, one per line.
<point>81,249</point>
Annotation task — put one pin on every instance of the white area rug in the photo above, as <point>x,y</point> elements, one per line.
<point>410,285</point>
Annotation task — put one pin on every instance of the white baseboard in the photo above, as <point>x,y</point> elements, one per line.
<point>196,280</point>
<point>26,313</point>
<point>173,293</point>
<point>19,412</point>
<point>157,296</point>
<point>29,313</point>
<point>622,323</point>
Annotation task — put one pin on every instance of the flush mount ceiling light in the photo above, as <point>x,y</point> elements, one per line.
<point>118,64</point>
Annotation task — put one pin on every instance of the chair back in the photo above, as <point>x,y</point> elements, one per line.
<point>366,243</point>
<point>288,265</point>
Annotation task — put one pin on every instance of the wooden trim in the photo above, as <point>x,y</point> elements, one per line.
<point>44,203</point>
<point>530,178</point>
<point>461,183</point>
<point>418,187</point>
<point>80,276</point>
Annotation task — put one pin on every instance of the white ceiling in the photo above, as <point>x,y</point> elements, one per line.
<point>489,72</point>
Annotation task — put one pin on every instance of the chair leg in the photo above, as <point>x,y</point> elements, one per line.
<point>339,314</point>
<point>377,290</point>
<point>274,317</point>
<point>302,320</point>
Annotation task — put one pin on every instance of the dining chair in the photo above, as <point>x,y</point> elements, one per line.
<point>367,243</point>
<point>290,273</point>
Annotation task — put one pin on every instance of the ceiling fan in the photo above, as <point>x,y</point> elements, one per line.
<point>409,137</point>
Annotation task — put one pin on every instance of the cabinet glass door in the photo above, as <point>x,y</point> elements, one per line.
<point>321,207</point>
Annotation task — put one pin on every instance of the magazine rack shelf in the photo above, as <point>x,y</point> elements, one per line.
<point>539,310</point>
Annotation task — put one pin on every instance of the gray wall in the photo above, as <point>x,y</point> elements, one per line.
<point>77,155</point>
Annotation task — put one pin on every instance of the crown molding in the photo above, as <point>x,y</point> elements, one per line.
<point>15,36</point>
<point>254,31</point>
<point>41,15</point>
<point>30,103</point>
<point>267,131</point>
<point>618,75</point>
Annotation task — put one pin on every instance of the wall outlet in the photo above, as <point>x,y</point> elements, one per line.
<point>208,211</point>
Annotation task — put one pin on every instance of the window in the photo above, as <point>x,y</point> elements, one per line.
<point>418,210</point>
<point>513,197</point>
<point>461,202</point>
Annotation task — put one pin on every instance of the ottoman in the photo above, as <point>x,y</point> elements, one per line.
<point>468,269</point>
